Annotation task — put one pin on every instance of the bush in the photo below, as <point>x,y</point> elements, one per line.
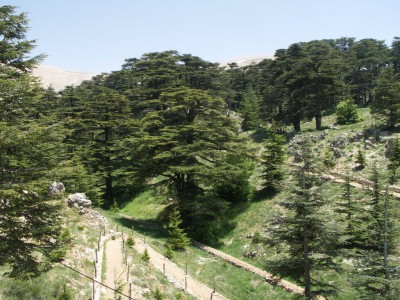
<point>168,252</point>
<point>145,257</point>
<point>130,242</point>
<point>346,112</point>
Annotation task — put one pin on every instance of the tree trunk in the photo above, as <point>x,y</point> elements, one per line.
<point>296,123</point>
<point>385,244</point>
<point>318,121</point>
<point>109,193</point>
<point>307,267</point>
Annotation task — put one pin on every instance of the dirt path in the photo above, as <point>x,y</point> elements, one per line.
<point>175,273</point>
<point>115,272</point>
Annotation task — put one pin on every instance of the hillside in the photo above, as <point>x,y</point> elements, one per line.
<point>59,78</point>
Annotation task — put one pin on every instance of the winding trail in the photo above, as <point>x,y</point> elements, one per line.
<point>192,286</point>
<point>115,272</point>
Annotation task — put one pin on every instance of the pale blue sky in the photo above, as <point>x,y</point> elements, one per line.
<point>98,35</point>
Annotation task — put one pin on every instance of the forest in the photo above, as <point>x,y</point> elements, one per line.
<point>211,139</point>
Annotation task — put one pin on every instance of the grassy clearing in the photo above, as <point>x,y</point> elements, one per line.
<point>146,206</point>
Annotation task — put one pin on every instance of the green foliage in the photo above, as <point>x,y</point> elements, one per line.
<point>66,294</point>
<point>15,47</point>
<point>386,103</point>
<point>145,256</point>
<point>302,228</point>
<point>250,111</point>
<point>394,159</point>
<point>346,112</point>
<point>231,180</point>
<point>177,238</point>
<point>329,159</point>
<point>360,159</point>
<point>169,253</point>
<point>273,160</point>
<point>158,295</point>
<point>63,245</point>
<point>115,206</point>
<point>130,242</point>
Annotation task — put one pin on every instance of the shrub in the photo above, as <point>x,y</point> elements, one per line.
<point>130,241</point>
<point>346,112</point>
<point>177,237</point>
<point>168,252</point>
<point>145,257</point>
<point>157,295</point>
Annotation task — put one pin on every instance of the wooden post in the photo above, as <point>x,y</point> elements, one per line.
<point>93,290</point>
<point>185,282</point>
<point>123,242</point>
<point>163,267</point>
<point>97,258</point>
<point>214,284</point>
<point>126,258</point>
<point>127,275</point>
<point>186,268</point>
<point>130,291</point>
<point>95,269</point>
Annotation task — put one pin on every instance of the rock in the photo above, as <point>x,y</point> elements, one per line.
<point>339,142</point>
<point>297,156</point>
<point>369,143</point>
<point>337,153</point>
<point>79,201</point>
<point>55,189</point>
<point>389,148</point>
<point>358,136</point>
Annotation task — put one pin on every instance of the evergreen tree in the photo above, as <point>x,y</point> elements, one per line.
<point>273,160</point>
<point>189,140</point>
<point>177,238</point>
<point>250,111</point>
<point>30,150</point>
<point>386,102</point>
<point>302,228</point>
<point>360,160</point>
<point>346,112</point>
<point>394,161</point>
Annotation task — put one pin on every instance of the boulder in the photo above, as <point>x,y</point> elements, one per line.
<point>56,188</point>
<point>78,199</point>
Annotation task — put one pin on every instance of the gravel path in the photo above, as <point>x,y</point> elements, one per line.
<point>176,275</point>
<point>115,272</point>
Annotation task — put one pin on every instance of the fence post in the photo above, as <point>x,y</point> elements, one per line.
<point>163,267</point>
<point>130,291</point>
<point>214,284</point>
<point>93,290</point>
<point>127,275</point>
<point>97,258</point>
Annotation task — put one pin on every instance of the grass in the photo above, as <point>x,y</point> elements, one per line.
<point>146,206</point>
<point>231,281</point>
<point>252,218</point>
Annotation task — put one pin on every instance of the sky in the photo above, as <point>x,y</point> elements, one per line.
<point>98,35</point>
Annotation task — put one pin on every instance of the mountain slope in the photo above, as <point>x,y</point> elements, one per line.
<point>59,78</point>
